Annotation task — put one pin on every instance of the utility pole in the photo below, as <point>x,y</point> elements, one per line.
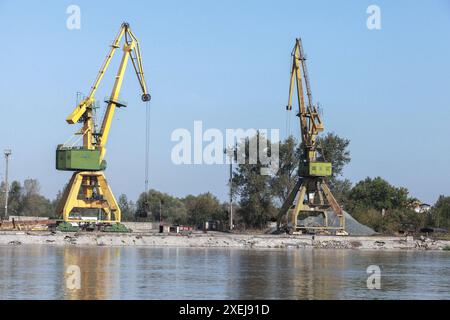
<point>161,227</point>
<point>160,205</point>
<point>231,194</point>
<point>7,155</point>
<point>231,152</point>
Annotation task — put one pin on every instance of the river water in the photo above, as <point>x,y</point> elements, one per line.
<point>45,272</point>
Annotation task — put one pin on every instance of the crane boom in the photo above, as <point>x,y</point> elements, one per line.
<point>310,121</point>
<point>83,112</point>
<point>305,73</point>
<point>80,109</point>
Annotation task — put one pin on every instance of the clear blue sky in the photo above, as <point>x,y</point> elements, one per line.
<point>227,63</point>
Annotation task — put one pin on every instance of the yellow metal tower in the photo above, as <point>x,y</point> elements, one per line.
<point>310,195</point>
<point>88,187</point>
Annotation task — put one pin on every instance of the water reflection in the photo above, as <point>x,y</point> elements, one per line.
<point>297,274</point>
<point>39,272</point>
<point>99,272</point>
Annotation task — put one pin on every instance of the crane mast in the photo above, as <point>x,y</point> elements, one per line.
<point>310,195</point>
<point>87,160</point>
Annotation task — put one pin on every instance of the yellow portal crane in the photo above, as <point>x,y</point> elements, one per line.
<point>310,195</point>
<point>88,188</point>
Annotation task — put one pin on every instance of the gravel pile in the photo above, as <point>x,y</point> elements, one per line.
<point>352,226</point>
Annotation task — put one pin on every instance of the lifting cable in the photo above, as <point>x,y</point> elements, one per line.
<point>147,152</point>
<point>147,143</point>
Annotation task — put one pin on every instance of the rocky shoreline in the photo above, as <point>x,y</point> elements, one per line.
<point>221,240</point>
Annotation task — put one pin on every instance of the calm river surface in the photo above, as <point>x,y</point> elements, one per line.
<point>39,272</point>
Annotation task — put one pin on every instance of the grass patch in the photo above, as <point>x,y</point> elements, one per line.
<point>442,236</point>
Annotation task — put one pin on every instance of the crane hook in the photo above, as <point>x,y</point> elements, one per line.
<point>146,97</point>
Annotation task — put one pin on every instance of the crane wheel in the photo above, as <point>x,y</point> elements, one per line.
<point>146,97</point>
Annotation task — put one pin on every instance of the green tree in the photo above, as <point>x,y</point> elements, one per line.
<point>173,209</point>
<point>253,188</point>
<point>126,208</point>
<point>15,204</point>
<point>440,212</point>
<point>55,203</point>
<point>29,200</point>
<point>383,207</point>
<point>286,176</point>
<point>402,219</point>
<point>331,148</point>
<point>202,208</point>
<point>334,149</point>
<point>370,217</point>
<point>340,189</point>
<point>377,194</point>
<point>31,187</point>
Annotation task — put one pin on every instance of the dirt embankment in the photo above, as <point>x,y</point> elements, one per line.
<point>223,240</point>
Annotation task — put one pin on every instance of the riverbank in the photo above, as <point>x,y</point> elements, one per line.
<point>223,240</point>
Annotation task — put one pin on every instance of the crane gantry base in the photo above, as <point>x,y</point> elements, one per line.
<point>89,190</point>
<point>312,196</point>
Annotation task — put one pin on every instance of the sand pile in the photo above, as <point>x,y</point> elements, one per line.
<point>352,226</point>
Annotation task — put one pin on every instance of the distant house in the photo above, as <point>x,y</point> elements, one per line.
<point>422,208</point>
<point>419,207</point>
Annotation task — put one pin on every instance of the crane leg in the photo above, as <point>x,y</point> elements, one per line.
<point>322,203</point>
<point>113,207</point>
<point>299,205</point>
<point>334,205</point>
<point>289,201</point>
<point>62,202</point>
<point>67,202</point>
<point>88,190</point>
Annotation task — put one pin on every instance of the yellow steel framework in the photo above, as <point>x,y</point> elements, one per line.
<point>310,195</point>
<point>90,189</point>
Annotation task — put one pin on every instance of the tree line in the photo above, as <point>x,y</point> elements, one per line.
<point>26,200</point>
<point>372,201</point>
